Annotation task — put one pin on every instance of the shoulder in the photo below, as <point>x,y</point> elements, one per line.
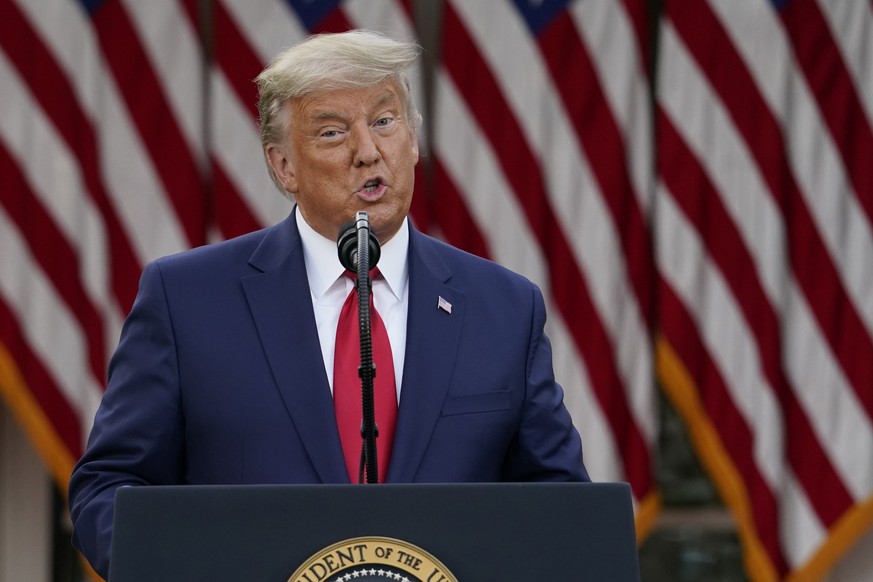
<point>475,276</point>
<point>236,256</point>
<point>460,265</point>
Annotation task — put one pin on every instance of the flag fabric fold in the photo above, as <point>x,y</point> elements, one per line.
<point>542,151</point>
<point>764,246</point>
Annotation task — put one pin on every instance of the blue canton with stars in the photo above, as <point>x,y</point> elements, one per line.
<point>312,12</point>
<point>539,13</point>
<point>91,6</point>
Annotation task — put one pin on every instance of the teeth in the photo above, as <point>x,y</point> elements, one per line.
<point>371,186</point>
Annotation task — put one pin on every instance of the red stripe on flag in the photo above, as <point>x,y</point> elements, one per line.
<point>232,215</point>
<point>809,259</point>
<point>53,92</point>
<point>55,257</point>
<point>192,11</point>
<point>702,205</point>
<point>831,83</point>
<point>453,216</point>
<point>333,21</point>
<point>639,13</point>
<point>240,65</point>
<point>569,288</point>
<point>236,57</point>
<point>420,208</point>
<point>408,9</point>
<point>154,118</point>
<point>681,331</point>
<point>40,383</point>
<point>601,139</point>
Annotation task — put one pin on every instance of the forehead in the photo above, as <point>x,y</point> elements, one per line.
<point>346,102</point>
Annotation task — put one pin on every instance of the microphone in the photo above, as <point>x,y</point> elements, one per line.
<point>347,243</point>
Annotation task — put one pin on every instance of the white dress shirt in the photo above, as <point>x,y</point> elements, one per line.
<point>329,287</point>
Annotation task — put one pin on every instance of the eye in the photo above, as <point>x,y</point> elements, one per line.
<point>384,122</point>
<point>329,133</point>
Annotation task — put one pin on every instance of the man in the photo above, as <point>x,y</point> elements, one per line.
<point>225,368</point>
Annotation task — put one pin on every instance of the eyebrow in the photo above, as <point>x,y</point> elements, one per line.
<point>385,98</point>
<point>329,114</point>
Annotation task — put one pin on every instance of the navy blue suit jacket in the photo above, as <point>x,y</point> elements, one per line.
<point>219,378</point>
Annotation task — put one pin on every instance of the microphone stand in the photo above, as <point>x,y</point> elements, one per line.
<point>367,370</point>
<point>360,258</point>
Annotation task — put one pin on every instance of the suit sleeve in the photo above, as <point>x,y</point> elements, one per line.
<point>547,446</point>
<point>138,430</point>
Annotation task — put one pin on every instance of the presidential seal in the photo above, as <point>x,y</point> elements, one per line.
<point>373,559</point>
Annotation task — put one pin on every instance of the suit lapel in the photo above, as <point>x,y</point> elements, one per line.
<point>281,306</point>
<point>431,342</point>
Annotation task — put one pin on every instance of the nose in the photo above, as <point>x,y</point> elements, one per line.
<point>364,149</point>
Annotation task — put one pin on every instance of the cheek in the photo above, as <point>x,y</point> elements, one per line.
<point>327,166</point>
<point>404,156</point>
<point>313,174</point>
<point>406,168</point>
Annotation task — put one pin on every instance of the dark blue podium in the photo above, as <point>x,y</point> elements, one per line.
<point>475,532</point>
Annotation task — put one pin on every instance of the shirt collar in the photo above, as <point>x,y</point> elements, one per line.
<point>323,267</point>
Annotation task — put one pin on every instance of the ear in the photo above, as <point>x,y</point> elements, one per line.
<point>415,151</point>
<point>280,161</point>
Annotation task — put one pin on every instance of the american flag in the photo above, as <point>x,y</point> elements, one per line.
<point>101,149</point>
<point>763,232</point>
<point>692,189</point>
<point>542,161</point>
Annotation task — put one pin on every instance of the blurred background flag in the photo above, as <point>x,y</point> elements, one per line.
<point>764,238</point>
<point>542,162</point>
<point>690,182</point>
<point>101,143</point>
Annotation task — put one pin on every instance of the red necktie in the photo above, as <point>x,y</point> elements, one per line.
<point>347,385</point>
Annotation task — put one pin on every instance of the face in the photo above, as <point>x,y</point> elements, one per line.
<point>348,150</point>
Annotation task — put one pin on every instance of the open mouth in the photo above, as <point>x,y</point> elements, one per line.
<point>371,186</point>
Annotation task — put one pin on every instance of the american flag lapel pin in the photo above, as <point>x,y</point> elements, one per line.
<point>444,305</point>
